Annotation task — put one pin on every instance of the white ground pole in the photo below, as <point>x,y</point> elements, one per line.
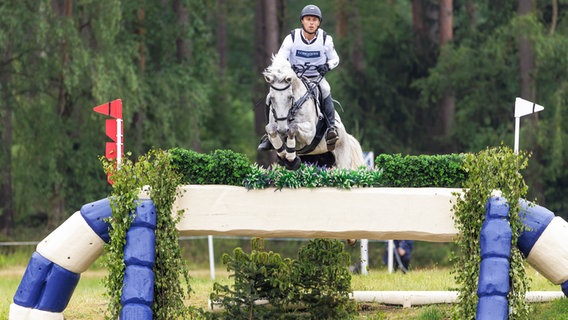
<point>522,108</point>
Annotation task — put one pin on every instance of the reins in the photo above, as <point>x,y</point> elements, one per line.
<point>296,105</point>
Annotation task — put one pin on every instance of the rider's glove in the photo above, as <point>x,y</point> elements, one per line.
<point>297,68</point>
<point>322,69</point>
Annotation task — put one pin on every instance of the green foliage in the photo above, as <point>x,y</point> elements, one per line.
<point>311,177</point>
<point>155,171</point>
<point>316,286</point>
<point>422,170</point>
<point>322,275</point>
<point>220,167</point>
<point>259,276</point>
<point>491,169</point>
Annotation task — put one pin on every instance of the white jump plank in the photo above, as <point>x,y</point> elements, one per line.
<point>359,213</point>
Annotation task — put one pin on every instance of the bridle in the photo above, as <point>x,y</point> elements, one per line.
<point>295,105</point>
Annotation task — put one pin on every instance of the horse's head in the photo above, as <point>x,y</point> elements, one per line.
<point>283,91</point>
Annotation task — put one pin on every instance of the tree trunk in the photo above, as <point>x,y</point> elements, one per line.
<point>182,47</point>
<point>139,116</point>
<point>418,25</point>
<point>554,21</point>
<point>6,136</point>
<point>527,91</point>
<point>221,33</point>
<point>341,28</point>
<point>56,209</point>
<point>357,48</point>
<point>447,105</point>
<point>526,56</point>
<point>183,57</point>
<point>267,33</point>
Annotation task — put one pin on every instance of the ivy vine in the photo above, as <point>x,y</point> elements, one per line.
<point>153,170</point>
<point>491,169</point>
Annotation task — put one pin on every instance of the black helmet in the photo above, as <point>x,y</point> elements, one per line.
<point>311,10</point>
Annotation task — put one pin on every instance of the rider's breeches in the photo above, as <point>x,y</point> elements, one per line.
<point>325,88</point>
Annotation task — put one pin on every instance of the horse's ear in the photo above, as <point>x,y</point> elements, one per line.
<point>268,78</point>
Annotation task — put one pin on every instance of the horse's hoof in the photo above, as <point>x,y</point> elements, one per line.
<point>351,242</point>
<point>295,165</point>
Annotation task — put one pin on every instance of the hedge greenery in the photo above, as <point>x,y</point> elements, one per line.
<point>421,171</point>
<point>230,168</point>
<point>220,167</point>
<point>392,171</point>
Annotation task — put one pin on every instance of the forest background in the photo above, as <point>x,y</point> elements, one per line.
<point>416,77</point>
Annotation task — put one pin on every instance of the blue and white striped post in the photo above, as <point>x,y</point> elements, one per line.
<point>54,269</point>
<point>495,250</point>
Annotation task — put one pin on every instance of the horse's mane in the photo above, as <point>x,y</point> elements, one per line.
<point>279,68</point>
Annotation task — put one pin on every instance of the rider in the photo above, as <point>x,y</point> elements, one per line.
<point>310,45</point>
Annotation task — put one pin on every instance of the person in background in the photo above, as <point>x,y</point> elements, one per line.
<point>311,46</point>
<point>402,254</point>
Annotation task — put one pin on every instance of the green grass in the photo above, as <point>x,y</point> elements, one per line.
<point>88,301</point>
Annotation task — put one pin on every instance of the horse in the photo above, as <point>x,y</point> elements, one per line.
<point>296,126</point>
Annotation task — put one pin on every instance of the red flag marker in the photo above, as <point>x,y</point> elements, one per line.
<point>114,130</point>
<point>112,108</point>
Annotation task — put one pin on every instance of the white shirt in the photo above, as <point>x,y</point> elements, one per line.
<point>299,50</point>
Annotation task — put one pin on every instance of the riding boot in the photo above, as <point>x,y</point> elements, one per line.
<point>331,135</point>
<point>265,144</point>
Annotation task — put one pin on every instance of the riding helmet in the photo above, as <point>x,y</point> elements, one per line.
<point>311,10</point>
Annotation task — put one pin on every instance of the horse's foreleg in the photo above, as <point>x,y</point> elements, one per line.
<point>274,137</point>
<point>291,143</point>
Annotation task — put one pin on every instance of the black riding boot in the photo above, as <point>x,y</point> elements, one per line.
<point>265,144</point>
<point>331,135</point>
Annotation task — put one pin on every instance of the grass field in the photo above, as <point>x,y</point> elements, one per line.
<point>88,301</point>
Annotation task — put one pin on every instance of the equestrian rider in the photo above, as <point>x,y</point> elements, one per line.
<point>310,45</point>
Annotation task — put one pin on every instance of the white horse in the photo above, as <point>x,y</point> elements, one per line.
<point>296,126</point>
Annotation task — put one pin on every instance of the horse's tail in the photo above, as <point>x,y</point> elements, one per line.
<point>356,152</point>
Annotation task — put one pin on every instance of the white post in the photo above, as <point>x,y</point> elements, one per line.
<point>211,257</point>
<point>364,256</point>
<point>522,108</point>
<point>118,141</point>
<point>390,250</point>
<point>517,126</point>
